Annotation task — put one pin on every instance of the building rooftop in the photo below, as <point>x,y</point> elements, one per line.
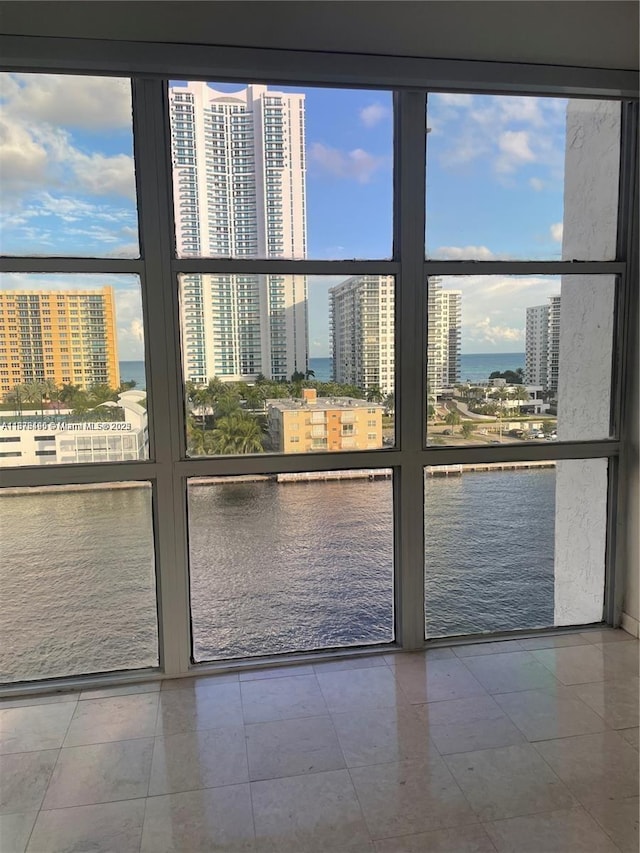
<point>322,404</point>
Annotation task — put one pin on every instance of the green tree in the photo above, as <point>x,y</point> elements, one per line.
<point>453,418</point>
<point>467,429</point>
<point>374,394</point>
<point>548,427</point>
<point>237,433</point>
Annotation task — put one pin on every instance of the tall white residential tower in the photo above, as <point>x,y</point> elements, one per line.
<point>362,317</point>
<point>542,345</point>
<point>362,331</point>
<point>239,191</point>
<point>444,343</point>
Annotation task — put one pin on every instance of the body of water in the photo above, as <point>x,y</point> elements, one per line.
<point>475,367</point>
<point>274,568</point>
<point>134,371</point>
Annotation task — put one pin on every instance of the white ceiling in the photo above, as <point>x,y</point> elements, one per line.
<point>561,32</point>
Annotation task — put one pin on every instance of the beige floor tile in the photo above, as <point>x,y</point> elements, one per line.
<point>100,773</point>
<point>619,819</point>
<point>24,777</point>
<point>103,828</point>
<point>602,763</point>
<point>410,796</point>
<point>292,747</point>
<point>195,708</point>
<point>510,672</point>
<point>508,782</point>
<point>558,641</point>
<point>15,830</point>
<point>567,831</point>
<point>548,714</point>
<point>574,665</point>
<point>481,734</point>
<point>34,728</point>
<point>123,690</point>
<point>47,699</point>
<point>275,672</point>
<point>439,681</point>
<point>382,735</point>
<point>282,699</point>
<point>621,660</point>
<point>475,649</point>
<point>607,635</point>
<point>463,839</point>
<point>115,718</point>
<point>201,759</point>
<point>360,689</point>
<point>199,683</point>
<point>465,725</point>
<point>338,665</point>
<point>318,813</point>
<point>615,701</point>
<point>630,735</point>
<point>417,660</point>
<point>216,819</point>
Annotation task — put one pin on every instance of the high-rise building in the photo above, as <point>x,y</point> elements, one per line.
<point>444,320</point>
<point>542,345</point>
<point>363,333</point>
<point>239,191</point>
<point>62,336</point>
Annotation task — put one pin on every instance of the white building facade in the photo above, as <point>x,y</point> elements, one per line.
<point>542,344</point>
<point>239,191</point>
<point>362,332</point>
<point>444,330</point>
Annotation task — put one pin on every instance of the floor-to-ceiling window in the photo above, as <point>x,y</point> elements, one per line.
<point>292,368</point>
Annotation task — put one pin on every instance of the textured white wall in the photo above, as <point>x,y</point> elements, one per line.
<point>584,380</point>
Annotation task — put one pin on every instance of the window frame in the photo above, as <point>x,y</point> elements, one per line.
<point>150,67</point>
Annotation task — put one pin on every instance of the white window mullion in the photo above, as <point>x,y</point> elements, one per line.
<point>163,360</point>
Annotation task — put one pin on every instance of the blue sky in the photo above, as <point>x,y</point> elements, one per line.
<point>494,184</point>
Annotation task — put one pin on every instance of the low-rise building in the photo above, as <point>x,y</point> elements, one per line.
<point>323,423</point>
<point>33,439</point>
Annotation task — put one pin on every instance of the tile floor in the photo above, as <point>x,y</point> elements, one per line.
<point>527,746</point>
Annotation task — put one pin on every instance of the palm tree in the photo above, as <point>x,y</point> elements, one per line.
<point>237,433</point>
<point>52,393</point>
<point>453,418</point>
<point>34,394</point>
<point>374,394</point>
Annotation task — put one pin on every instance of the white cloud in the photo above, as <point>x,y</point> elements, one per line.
<point>374,114</point>
<point>515,150</point>
<point>486,332</point>
<point>536,184</point>
<point>23,161</point>
<point>89,103</point>
<point>451,99</point>
<point>507,132</point>
<point>494,308</point>
<point>556,232</point>
<point>456,253</point>
<point>357,165</point>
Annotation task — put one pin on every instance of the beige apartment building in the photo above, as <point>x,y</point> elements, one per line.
<point>63,336</point>
<point>323,423</point>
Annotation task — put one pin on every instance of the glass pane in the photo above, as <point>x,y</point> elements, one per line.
<point>522,178</point>
<point>287,364</point>
<point>519,358</point>
<point>514,545</point>
<point>65,394</point>
<point>290,562</point>
<point>68,184</point>
<point>77,580</point>
<point>281,172</point>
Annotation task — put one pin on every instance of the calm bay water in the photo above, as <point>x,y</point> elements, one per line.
<point>274,567</point>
